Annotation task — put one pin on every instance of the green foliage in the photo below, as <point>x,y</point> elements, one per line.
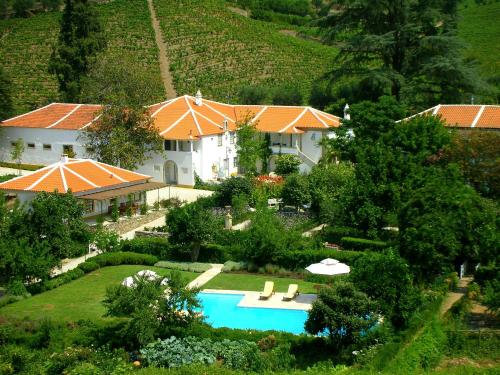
<point>297,259</point>
<point>253,95</point>
<point>115,212</point>
<point>51,5</point>
<point>287,95</point>
<point>159,247</point>
<point>22,8</point>
<point>444,224</point>
<point>353,243</point>
<point>387,279</point>
<point>192,267</point>
<point>232,187</point>
<point>492,296</point>
<point>27,167</point>
<point>251,146</point>
<point>80,39</point>
<point>407,49</point>
<point>6,106</point>
<point>106,240</point>
<point>125,136</point>
<point>191,225</point>
<point>227,51</point>
<point>334,234</point>
<point>7,177</point>
<point>16,153</point>
<point>230,266</point>
<point>124,257</point>
<point>150,310</point>
<point>296,191</point>
<point>287,164</point>
<point>88,266</point>
<point>343,313</point>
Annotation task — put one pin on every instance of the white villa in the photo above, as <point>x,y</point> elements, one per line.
<point>199,135</point>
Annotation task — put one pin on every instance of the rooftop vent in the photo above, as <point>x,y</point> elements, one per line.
<point>64,158</point>
<point>198,98</point>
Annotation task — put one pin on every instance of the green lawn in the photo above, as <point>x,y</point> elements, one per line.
<point>80,299</point>
<point>235,281</point>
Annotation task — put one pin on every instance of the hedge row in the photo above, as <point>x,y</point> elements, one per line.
<point>190,267</point>
<point>335,234</point>
<point>299,259</point>
<point>361,244</point>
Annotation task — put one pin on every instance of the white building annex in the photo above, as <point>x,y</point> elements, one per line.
<point>199,135</point>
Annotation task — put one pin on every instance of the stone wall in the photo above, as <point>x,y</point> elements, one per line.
<point>127,224</point>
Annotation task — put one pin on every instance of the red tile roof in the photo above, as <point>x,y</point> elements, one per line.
<point>181,118</point>
<point>77,175</point>
<point>467,116</point>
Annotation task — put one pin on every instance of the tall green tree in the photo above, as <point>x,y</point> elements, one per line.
<point>81,37</point>
<point>445,223</point>
<point>403,48</point>
<point>6,105</point>
<point>16,153</point>
<point>125,136</point>
<point>251,145</point>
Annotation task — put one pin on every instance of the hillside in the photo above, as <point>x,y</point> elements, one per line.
<point>26,44</point>
<point>479,27</point>
<point>219,51</point>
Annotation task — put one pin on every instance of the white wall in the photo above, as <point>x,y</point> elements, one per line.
<point>212,157</point>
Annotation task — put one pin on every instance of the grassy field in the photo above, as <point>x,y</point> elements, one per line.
<point>479,27</point>
<point>26,45</point>
<point>219,51</point>
<point>235,281</point>
<point>80,299</point>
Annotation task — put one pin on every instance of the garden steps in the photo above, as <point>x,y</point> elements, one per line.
<point>453,297</point>
<point>206,276</point>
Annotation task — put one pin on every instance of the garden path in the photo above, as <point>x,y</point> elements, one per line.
<point>206,276</point>
<point>162,55</point>
<point>312,231</point>
<point>453,297</point>
<point>69,264</point>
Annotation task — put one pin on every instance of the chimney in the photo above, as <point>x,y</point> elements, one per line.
<point>198,98</point>
<point>347,115</point>
<point>64,158</point>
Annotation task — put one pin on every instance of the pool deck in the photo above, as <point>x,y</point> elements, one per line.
<point>251,299</point>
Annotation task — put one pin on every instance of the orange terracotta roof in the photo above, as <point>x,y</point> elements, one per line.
<point>77,175</point>
<point>467,116</point>
<point>181,118</point>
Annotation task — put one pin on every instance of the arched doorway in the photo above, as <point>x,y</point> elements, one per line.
<point>170,172</point>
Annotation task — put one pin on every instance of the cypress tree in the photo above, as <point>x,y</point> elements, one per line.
<point>80,38</point>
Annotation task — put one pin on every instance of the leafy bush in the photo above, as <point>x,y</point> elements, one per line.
<point>159,247</point>
<point>62,279</point>
<point>124,257</point>
<point>231,187</point>
<point>296,191</point>
<point>88,266</point>
<point>213,253</point>
<point>171,202</point>
<point>335,234</point>
<point>287,164</point>
<point>486,273</point>
<point>230,266</point>
<point>106,240</point>
<point>361,244</point>
<point>16,288</point>
<point>191,267</point>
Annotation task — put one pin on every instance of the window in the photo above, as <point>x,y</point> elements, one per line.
<point>235,162</point>
<point>88,205</point>
<point>47,147</point>
<point>170,145</point>
<point>231,137</point>
<point>31,145</point>
<point>219,140</point>
<point>157,168</point>
<point>185,145</point>
<point>68,150</point>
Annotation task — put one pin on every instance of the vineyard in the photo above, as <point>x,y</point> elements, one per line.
<point>26,45</point>
<point>219,51</point>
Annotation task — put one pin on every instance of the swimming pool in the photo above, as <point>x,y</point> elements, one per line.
<point>221,310</point>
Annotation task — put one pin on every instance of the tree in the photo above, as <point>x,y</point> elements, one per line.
<point>476,153</point>
<point>387,279</point>
<point>287,95</point>
<point>446,223</point>
<point>191,225</point>
<point>407,49</point>
<point>17,153</point>
<point>232,187</point>
<point>51,4</point>
<point>252,95</point>
<point>296,191</point>
<point>80,39</point>
<point>342,312</point>
<point>287,164</point>
<point>6,106</point>
<point>250,146</point>
<point>150,309</point>
<point>22,8</point>
<point>125,136</point>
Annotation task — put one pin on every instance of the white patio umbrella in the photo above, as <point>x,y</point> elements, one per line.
<point>129,282</point>
<point>148,274</point>
<point>329,267</point>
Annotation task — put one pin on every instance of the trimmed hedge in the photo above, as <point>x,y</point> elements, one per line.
<point>299,259</point>
<point>191,267</point>
<point>335,234</point>
<point>361,244</point>
<point>159,247</point>
<point>124,257</point>
<point>213,253</point>
<point>26,167</point>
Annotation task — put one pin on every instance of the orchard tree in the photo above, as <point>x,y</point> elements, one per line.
<point>191,225</point>
<point>407,49</point>
<point>343,313</point>
<point>444,224</point>
<point>81,37</point>
<point>125,136</point>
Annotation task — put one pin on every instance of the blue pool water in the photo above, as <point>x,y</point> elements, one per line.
<point>221,310</point>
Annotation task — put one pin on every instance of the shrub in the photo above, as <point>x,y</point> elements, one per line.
<point>296,191</point>
<point>191,267</point>
<point>16,288</point>
<point>171,202</point>
<point>486,273</point>
<point>88,266</point>
<point>62,279</point>
<point>159,247</point>
<point>287,164</point>
<point>335,234</point>
<point>115,259</point>
<point>361,244</point>
<point>213,253</point>
<point>144,209</point>
<point>106,240</point>
<point>230,266</point>
<point>233,186</point>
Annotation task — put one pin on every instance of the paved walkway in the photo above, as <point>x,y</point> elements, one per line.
<point>453,297</point>
<point>162,54</point>
<point>69,264</point>
<point>4,171</point>
<point>312,231</point>
<point>206,276</point>
<point>159,222</point>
